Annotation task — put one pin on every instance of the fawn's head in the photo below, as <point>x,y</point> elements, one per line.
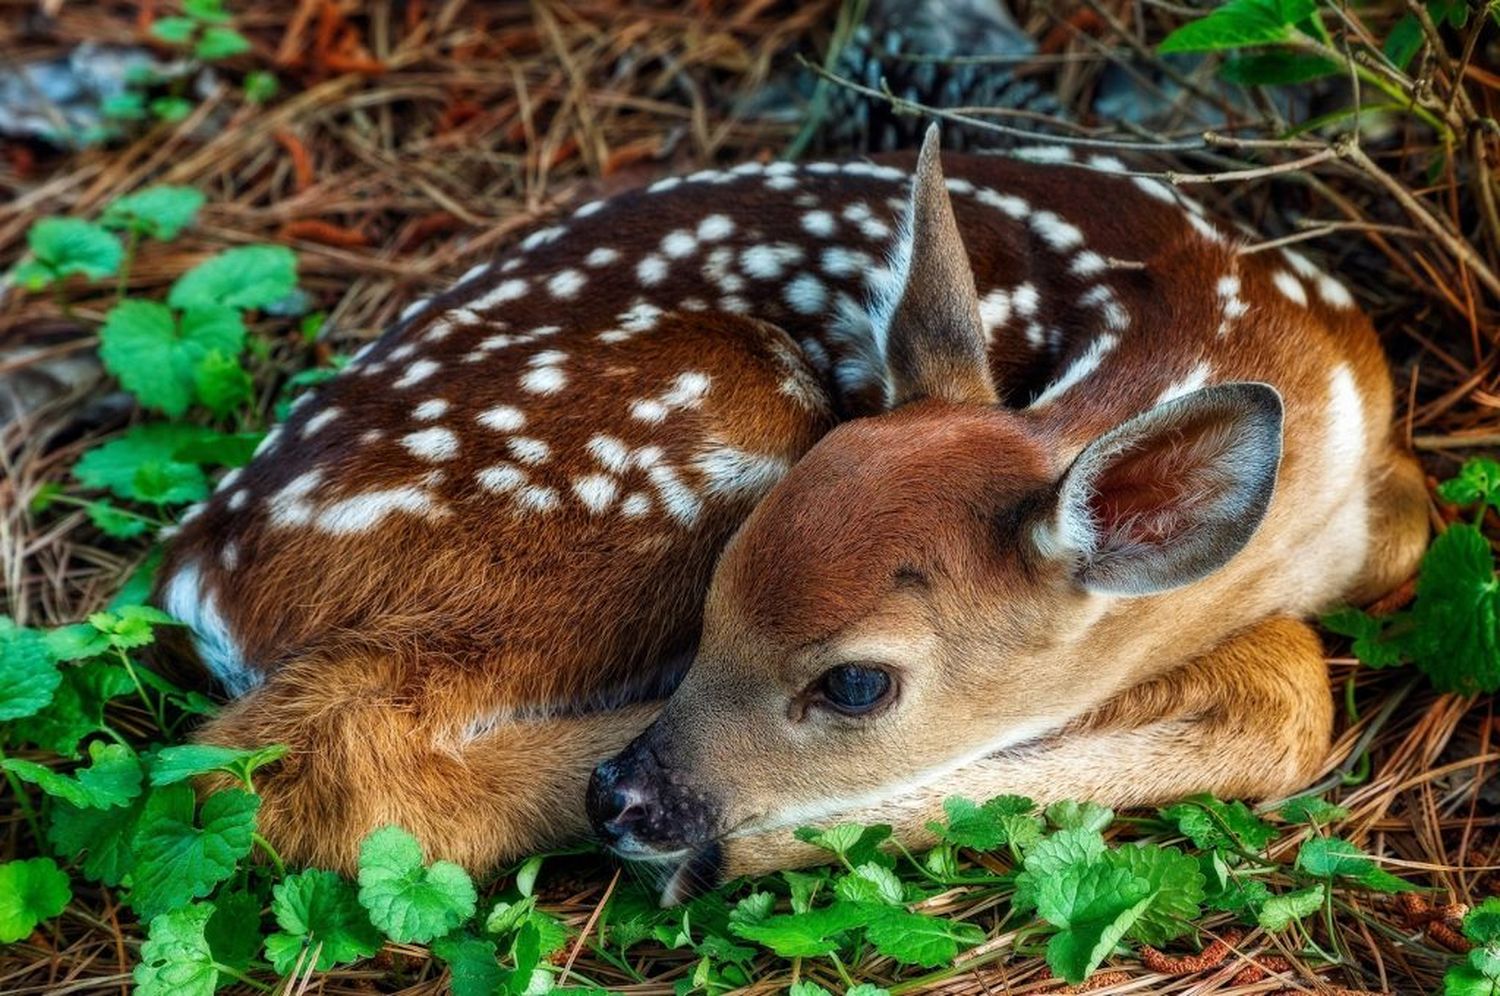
<point>917,591</point>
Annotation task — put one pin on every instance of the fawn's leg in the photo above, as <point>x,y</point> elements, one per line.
<point>1398,526</point>
<point>368,749</point>
<point>1250,719</point>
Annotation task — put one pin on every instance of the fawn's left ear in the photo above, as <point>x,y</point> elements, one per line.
<point>934,341</point>
<point>1171,495</point>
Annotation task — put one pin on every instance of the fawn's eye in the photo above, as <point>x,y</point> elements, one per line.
<point>855,688</point>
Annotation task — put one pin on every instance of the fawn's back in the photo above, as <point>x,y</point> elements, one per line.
<point>531,474</point>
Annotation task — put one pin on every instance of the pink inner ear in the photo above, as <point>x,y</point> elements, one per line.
<point>1155,492</point>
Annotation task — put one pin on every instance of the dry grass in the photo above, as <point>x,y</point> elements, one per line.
<point>411,141</point>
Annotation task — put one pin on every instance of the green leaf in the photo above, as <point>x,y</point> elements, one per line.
<point>140,465</point>
<point>160,212</point>
<point>221,383</point>
<point>803,887</point>
<point>804,935</point>
<point>129,626</point>
<point>1482,924</point>
<point>1465,980</point>
<point>77,707</point>
<point>156,358</point>
<point>406,899</point>
<point>28,671</point>
<point>1095,905</point>
<point>1211,823</point>
<point>1457,613</point>
<point>30,891</point>
<point>103,834</point>
<point>1311,809</point>
<point>1477,481</point>
<point>130,105</point>
<point>1240,24</point>
<point>852,842</point>
<point>171,108</point>
<point>113,777</point>
<point>246,277</point>
<point>220,449</point>
<point>183,761</point>
<point>915,939</point>
<point>1330,857</point>
<point>1404,42</point>
<point>65,246</point>
<point>318,909</point>
<point>111,520</point>
<point>870,883</point>
<point>233,932</point>
<point>1070,815</point>
<point>1006,819</point>
<point>473,968</point>
<point>207,11</point>
<point>220,43</point>
<point>1277,69</point>
<point>176,959</point>
<point>1050,856</point>
<point>260,86</point>
<point>1280,912</point>
<point>1370,643</point>
<point>177,860</point>
<point>804,988</point>
<point>1176,886</point>
<point>173,30</point>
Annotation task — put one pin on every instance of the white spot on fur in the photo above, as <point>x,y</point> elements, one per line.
<point>806,294</point>
<point>603,256</point>
<point>1290,286</point>
<point>501,478</point>
<point>635,505</point>
<point>1045,154</point>
<point>728,471</point>
<point>528,450</point>
<point>1082,367</point>
<point>679,244</point>
<point>818,223</point>
<point>289,506</point>
<point>840,262</point>
<point>770,262</point>
<point>430,409</point>
<point>416,372</point>
<point>238,500</point>
<point>566,284</point>
<point>1155,188</point>
<point>506,290</point>
<point>1057,233</point>
<point>1107,164</point>
<point>502,418</point>
<point>686,391</point>
<point>541,237</point>
<point>715,227</point>
<point>661,186</point>
<point>610,452</point>
<point>186,599</point>
<point>596,491</point>
<point>1333,293</point>
<point>1088,263</point>
<point>1026,299</point>
<point>592,207</point>
<point>651,270</point>
<point>319,420</point>
<point>1195,379</point>
<point>433,444</point>
<point>1205,228</point>
<point>994,311</point>
<point>537,498</point>
<point>361,513</point>
<point>544,380</point>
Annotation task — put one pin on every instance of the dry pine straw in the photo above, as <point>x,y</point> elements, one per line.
<point>410,141</point>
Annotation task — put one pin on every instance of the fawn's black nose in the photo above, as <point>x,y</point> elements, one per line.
<point>617,806</point>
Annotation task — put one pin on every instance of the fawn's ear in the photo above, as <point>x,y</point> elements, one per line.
<point>1172,494</point>
<point>934,341</point>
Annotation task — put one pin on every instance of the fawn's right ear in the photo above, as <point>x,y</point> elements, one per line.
<point>934,340</point>
<point>1169,496</point>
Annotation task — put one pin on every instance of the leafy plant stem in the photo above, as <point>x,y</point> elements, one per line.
<point>132,240</point>
<point>265,845</point>
<point>838,965</point>
<point>154,710</point>
<point>19,791</point>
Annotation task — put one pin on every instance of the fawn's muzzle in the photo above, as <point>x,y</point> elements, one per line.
<point>640,808</point>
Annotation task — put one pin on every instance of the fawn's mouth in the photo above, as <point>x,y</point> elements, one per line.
<point>696,872</point>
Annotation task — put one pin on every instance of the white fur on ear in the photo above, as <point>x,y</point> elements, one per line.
<point>1171,495</point>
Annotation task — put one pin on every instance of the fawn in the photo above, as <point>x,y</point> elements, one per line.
<point>810,492</point>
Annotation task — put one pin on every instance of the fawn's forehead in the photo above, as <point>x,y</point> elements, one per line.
<point>913,493</point>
